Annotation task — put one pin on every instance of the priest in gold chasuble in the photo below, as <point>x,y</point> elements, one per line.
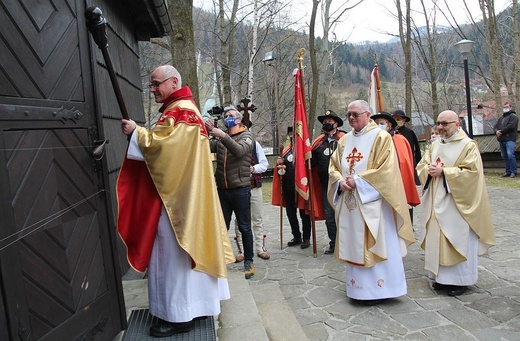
<point>374,226</point>
<point>455,208</point>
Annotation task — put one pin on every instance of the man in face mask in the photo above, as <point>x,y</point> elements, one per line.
<point>506,130</point>
<point>233,150</point>
<point>404,156</point>
<point>322,148</point>
<point>401,119</point>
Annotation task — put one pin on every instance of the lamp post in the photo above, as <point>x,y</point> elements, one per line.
<point>464,47</point>
<point>269,59</point>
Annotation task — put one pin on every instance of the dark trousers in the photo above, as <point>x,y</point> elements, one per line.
<point>330,217</point>
<point>290,209</point>
<point>238,200</point>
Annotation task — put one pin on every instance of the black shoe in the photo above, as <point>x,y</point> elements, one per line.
<point>370,303</point>
<point>165,328</point>
<point>456,290</point>
<point>505,175</point>
<point>439,287</point>
<point>294,242</point>
<point>305,244</point>
<point>329,251</point>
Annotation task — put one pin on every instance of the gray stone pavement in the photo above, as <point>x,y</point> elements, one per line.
<point>314,288</point>
<point>296,296</point>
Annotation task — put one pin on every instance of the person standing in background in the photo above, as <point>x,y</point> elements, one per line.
<point>258,166</point>
<point>401,119</point>
<point>286,196</point>
<point>322,148</point>
<point>506,130</point>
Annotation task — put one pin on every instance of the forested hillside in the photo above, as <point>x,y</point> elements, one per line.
<point>348,68</point>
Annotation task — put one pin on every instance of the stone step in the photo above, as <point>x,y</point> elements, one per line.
<point>277,317</point>
<point>239,317</point>
<point>255,311</point>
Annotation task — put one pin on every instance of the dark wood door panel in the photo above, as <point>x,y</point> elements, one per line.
<point>57,234</point>
<point>39,41</point>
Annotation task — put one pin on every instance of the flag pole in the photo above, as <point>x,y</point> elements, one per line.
<point>301,52</point>
<point>378,88</point>
<point>281,206</point>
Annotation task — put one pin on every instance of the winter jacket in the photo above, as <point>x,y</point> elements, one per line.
<point>233,159</point>
<point>508,125</point>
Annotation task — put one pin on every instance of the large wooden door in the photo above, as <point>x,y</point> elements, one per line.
<point>59,277</point>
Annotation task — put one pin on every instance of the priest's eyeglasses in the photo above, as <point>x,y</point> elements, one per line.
<point>355,114</point>
<point>156,84</point>
<point>445,124</point>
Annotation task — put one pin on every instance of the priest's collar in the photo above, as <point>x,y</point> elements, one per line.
<point>361,132</point>
<point>452,137</point>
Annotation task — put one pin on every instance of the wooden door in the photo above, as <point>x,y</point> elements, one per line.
<point>58,266</point>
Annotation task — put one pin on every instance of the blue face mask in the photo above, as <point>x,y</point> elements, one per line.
<point>230,121</point>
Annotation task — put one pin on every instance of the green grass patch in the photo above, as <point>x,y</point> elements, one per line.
<point>493,179</point>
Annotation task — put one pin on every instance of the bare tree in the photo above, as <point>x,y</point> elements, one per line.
<point>320,56</point>
<point>182,46</point>
<point>516,53</point>
<point>405,33</point>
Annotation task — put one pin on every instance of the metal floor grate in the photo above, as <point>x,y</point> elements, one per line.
<point>141,320</point>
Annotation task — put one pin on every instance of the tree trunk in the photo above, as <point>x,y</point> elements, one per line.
<point>182,47</point>
<point>226,48</point>
<point>405,37</point>
<point>516,54</point>
<point>314,67</point>
<point>486,7</point>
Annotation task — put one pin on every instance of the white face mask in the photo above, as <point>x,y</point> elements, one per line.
<point>433,139</point>
<point>505,110</point>
<point>382,126</point>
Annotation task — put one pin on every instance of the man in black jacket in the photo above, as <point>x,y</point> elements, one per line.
<point>401,120</point>
<point>506,130</point>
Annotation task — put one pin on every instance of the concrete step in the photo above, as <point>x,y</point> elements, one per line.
<point>239,317</point>
<point>277,317</point>
<point>256,312</point>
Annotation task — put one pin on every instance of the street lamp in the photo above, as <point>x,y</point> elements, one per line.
<point>269,59</point>
<point>464,47</point>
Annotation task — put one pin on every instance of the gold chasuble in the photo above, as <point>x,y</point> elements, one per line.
<point>454,202</point>
<point>178,159</point>
<point>371,155</point>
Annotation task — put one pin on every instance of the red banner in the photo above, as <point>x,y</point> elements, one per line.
<point>302,144</point>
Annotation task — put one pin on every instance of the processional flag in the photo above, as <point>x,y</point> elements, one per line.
<point>375,95</point>
<point>302,144</point>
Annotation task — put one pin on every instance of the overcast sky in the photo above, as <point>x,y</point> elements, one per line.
<point>370,20</point>
<point>373,18</point>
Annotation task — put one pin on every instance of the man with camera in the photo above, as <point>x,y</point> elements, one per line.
<point>233,150</point>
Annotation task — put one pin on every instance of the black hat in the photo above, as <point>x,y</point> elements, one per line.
<point>402,114</point>
<point>385,115</point>
<point>289,129</point>
<point>333,115</point>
